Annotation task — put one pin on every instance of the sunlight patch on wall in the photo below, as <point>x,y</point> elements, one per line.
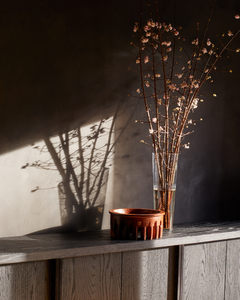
<point>23,211</point>
<point>61,181</point>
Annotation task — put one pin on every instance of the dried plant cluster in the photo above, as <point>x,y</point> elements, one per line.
<point>172,71</point>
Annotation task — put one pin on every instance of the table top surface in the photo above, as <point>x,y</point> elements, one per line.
<point>45,246</point>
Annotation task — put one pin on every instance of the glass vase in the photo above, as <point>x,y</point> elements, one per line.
<point>164,192</point>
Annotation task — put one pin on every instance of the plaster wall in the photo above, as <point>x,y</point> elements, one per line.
<point>64,64</point>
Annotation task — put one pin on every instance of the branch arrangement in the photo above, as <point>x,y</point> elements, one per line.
<point>172,72</point>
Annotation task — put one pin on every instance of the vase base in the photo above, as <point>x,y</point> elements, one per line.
<point>164,198</point>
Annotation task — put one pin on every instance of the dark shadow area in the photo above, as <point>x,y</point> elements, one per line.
<point>62,66</point>
<point>173,273</point>
<point>52,278</point>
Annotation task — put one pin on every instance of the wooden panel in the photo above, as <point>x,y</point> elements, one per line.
<point>204,271</point>
<point>144,275</point>
<point>36,247</point>
<point>91,277</point>
<point>24,281</point>
<point>232,291</point>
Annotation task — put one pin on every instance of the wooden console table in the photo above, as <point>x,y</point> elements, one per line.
<point>194,262</point>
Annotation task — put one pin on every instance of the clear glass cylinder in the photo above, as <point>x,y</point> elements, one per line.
<point>164,189</point>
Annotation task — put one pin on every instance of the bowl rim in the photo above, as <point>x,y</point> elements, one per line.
<point>148,212</point>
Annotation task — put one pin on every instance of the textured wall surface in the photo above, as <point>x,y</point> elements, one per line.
<point>65,65</point>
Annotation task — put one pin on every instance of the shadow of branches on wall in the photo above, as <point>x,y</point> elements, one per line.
<point>82,159</point>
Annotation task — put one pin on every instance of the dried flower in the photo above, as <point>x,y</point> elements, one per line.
<point>167,43</point>
<point>146,59</point>
<point>165,57</point>
<point>150,23</point>
<point>208,42</point>
<point>144,40</point>
<point>179,75</point>
<point>183,85</point>
<point>195,84</point>
<point>154,120</point>
<point>173,87</point>
<point>146,28</point>
<point>195,103</point>
<point>136,27</point>
<point>195,42</point>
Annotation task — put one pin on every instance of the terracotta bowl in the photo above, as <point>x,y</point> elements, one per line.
<point>136,223</point>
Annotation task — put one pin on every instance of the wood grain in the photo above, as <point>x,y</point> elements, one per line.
<point>145,275</point>
<point>232,291</point>
<point>204,271</point>
<point>94,277</point>
<point>26,281</point>
<point>55,245</point>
